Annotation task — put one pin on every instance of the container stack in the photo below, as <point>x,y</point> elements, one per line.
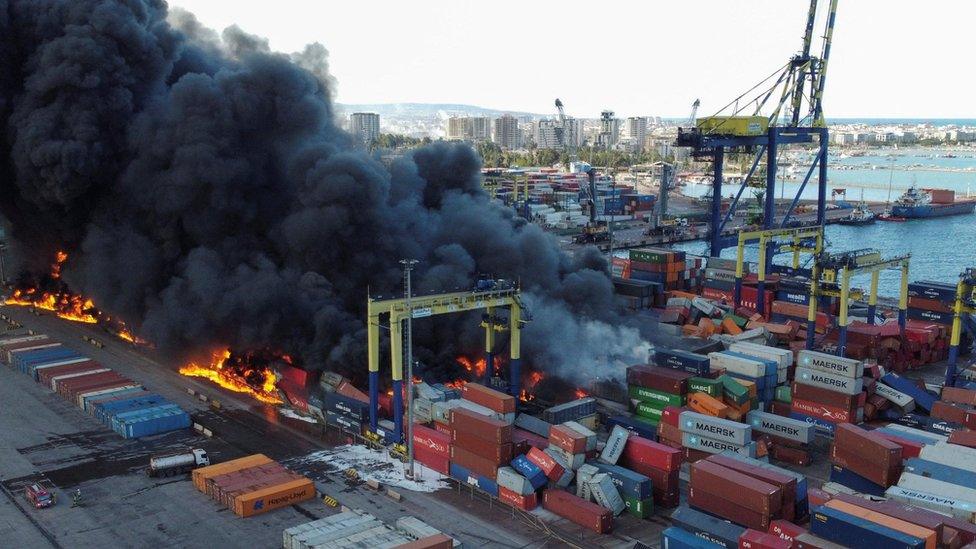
<point>653,388</point>
<point>749,380</point>
<point>659,265</point>
<point>120,403</point>
<point>581,410</point>
<point>742,493</point>
<point>479,445</point>
<point>357,529</point>
<point>942,478</point>
<point>827,390</point>
<point>344,412</point>
<point>864,461</point>
<point>707,434</point>
<point>252,485</point>
<point>660,463</point>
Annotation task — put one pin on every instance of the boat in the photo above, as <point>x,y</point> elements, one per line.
<point>888,216</point>
<point>918,203</point>
<point>860,215</point>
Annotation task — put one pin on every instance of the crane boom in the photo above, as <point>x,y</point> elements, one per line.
<point>818,117</point>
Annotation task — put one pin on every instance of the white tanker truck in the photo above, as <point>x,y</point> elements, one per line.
<point>177,464</point>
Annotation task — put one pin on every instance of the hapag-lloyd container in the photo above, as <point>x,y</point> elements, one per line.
<point>831,382</point>
<point>274,497</point>
<point>832,364</point>
<point>437,442</point>
<point>715,428</point>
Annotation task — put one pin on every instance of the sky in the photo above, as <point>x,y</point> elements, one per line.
<point>890,58</point>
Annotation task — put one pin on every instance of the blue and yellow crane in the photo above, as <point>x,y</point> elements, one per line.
<point>746,130</point>
<point>965,305</point>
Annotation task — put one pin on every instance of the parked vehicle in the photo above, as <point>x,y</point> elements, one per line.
<point>177,464</point>
<point>38,496</point>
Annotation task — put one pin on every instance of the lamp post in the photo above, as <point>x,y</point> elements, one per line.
<point>407,269</point>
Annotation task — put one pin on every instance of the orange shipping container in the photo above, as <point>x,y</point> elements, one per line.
<point>439,541</point>
<point>201,475</point>
<point>274,497</point>
<point>706,404</point>
<point>885,520</point>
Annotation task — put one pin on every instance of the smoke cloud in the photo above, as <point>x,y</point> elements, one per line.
<point>207,196</point>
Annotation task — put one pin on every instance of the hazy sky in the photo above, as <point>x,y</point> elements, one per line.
<point>894,58</point>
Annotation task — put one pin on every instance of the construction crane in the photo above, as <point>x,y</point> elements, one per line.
<point>794,102</point>
<point>694,112</point>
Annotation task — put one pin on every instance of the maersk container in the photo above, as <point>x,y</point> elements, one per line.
<point>791,429</point>
<point>832,364</point>
<point>831,382</point>
<point>922,398</point>
<point>159,421</point>
<point>715,428</point>
<point>935,486</point>
<point>951,454</point>
<point>934,501</point>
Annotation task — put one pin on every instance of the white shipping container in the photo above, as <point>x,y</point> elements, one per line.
<point>737,364</point>
<point>832,364</point>
<point>953,455</point>
<point>511,479</point>
<point>782,357</point>
<point>574,461</point>
<point>615,445</point>
<point>940,487</point>
<point>952,507</point>
<point>831,382</point>
<point>416,527</point>
<point>83,396</point>
<point>788,428</point>
<point>898,398</point>
<point>715,428</point>
<point>918,432</point>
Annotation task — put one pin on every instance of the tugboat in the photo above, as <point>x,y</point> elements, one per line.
<point>888,216</point>
<point>860,215</point>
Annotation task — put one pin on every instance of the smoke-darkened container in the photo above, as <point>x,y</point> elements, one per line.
<point>92,401</point>
<point>661,379</point>
<point>707,527</point>
<point>533,424</point>
<point>677,359</point>
<point>45,375</point>
<point>344,423</point>
<point>346,406</point>
<point>570,411</point>
<point>577,510</point>
<point>853,531</point>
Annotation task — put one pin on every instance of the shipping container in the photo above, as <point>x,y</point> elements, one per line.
<point>94,369</point>
<point>36,369</point>
<point>754,539</point>
<point>121,394</point>
<point>567,439</point>
<point>274,497</point>
<point>639,450</point>
<point>84,397</point>
<point>346,406</point>
<point>634,425</point>
<point>750,493</point>
<point>785,483</point>
<point>104,411</point>
<point>931,499</point>
<point>854,481</point>
<point>526,502</point>
<point>677,359</point>
<point>201,475</point>
<point>495,401</point>
<point>485,427</point>
<point>741,364</point>
<point>605,494</point>
<point>779,426</point>
<point>853,531</point>
<point>951,454</point>
<point>708,527</point>
<point>431,439</point>
<point>510,479</point>
<point>832,382</point>
<point>481,466</point>
<point>831,364</point>
<point>44,375</point>
<point>153,421</point>
<point>923,399</point>
<point>874,449</point>
<point>716,504</point>
<point>499,453</point>
<point>941,487</point>
<point>658,398</point>
<point>550,467</point>
<point>629,483</point>
<point>879,518</point>
<point>569,411</point>
<point>715,428</point>
<point>533,424</point>
<point>661,379</point>
<point>586,514</point>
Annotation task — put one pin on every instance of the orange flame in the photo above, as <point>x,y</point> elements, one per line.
<point>235,379</point>
<point>62,303</point>
<point>475,367</point>
<point>528,392</point>
<point>580,393</point>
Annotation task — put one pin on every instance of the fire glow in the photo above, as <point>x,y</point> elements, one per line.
<point>528,392</point>
<point>249,373</point>
<point>61,302</point>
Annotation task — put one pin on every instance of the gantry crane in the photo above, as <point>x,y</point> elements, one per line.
<point>568,137</point>
<point>801,78</point>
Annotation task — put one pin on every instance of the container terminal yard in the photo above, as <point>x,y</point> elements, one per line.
<point>244,370</point>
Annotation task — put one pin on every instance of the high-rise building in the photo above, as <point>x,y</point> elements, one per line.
<point>506,133</point>
<point>549,134</point>
<point>609,129</point>
<point>468,128</point>
<point>636,131</point>
<point>365,126</point>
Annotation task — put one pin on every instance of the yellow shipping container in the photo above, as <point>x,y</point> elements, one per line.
<point>274,497</point>
<point>733,125</point>
<point>201,475</point>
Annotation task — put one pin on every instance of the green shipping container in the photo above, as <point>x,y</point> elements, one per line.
<point>652,396</point>
<point>733,390</point>
<point>739,321</point>
<point>640,508</point>
<point>711,387</point>
<point>784,394</point>
<point>647,411</point>
<point>650,256</point>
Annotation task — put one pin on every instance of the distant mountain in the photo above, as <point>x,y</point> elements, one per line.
<point>430,110</point>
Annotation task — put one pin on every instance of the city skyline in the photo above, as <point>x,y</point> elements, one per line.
<point>650,59</point>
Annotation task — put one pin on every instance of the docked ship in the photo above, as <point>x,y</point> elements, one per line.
<point>921,203</point>
<point>861,215</point>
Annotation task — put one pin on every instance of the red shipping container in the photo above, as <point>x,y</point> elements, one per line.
<point>789,454</point>
<point>443,428</point>
<point>481,426</point>
<point>105,382</point>
<point>544,461</point>
<point>785,483</point>
<point>671,414</point>
<point>65,386</point>
<point>577,510</point>
<point>528,439</point>
<point>909,448</point>
<point>647,452</point>
<point>495,401</point>
<point>862,443</point>
<point>823,411</point>
<point>474,463</point>
<point>746,491</point>
<point>963,438</point>
<point>348,390</point>
<point>439,463</point>
<point>867,468</point>
<point>959,396</point>
<point>954,413</point>
<point>658,378</point>
<point>526,503</point>
<point>432,440</point>
<point>714,504</point>
<point>567,439</point>
<point>754,539</point>
<point>497,453</point>
<point>817,497</point>
<point>45,374</point>
<point>786,530</point>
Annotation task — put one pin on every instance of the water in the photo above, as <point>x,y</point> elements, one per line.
<point>941,248</point>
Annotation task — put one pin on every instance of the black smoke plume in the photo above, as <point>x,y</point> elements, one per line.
<point>206,195</point>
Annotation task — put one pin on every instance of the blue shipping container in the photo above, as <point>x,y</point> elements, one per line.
<point>162,421</point>
<point>628,483</point>
<point>634,425</point>
<point>707,527</point>
<point>940,471</point>
<point>35,370</point>
<point>676,538</point>
<point>89,402</point>
<point>682,360</point>
<point>851,531</point>
<point>855,481</point>
<point>104,411</point>
<point>923,398</point>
